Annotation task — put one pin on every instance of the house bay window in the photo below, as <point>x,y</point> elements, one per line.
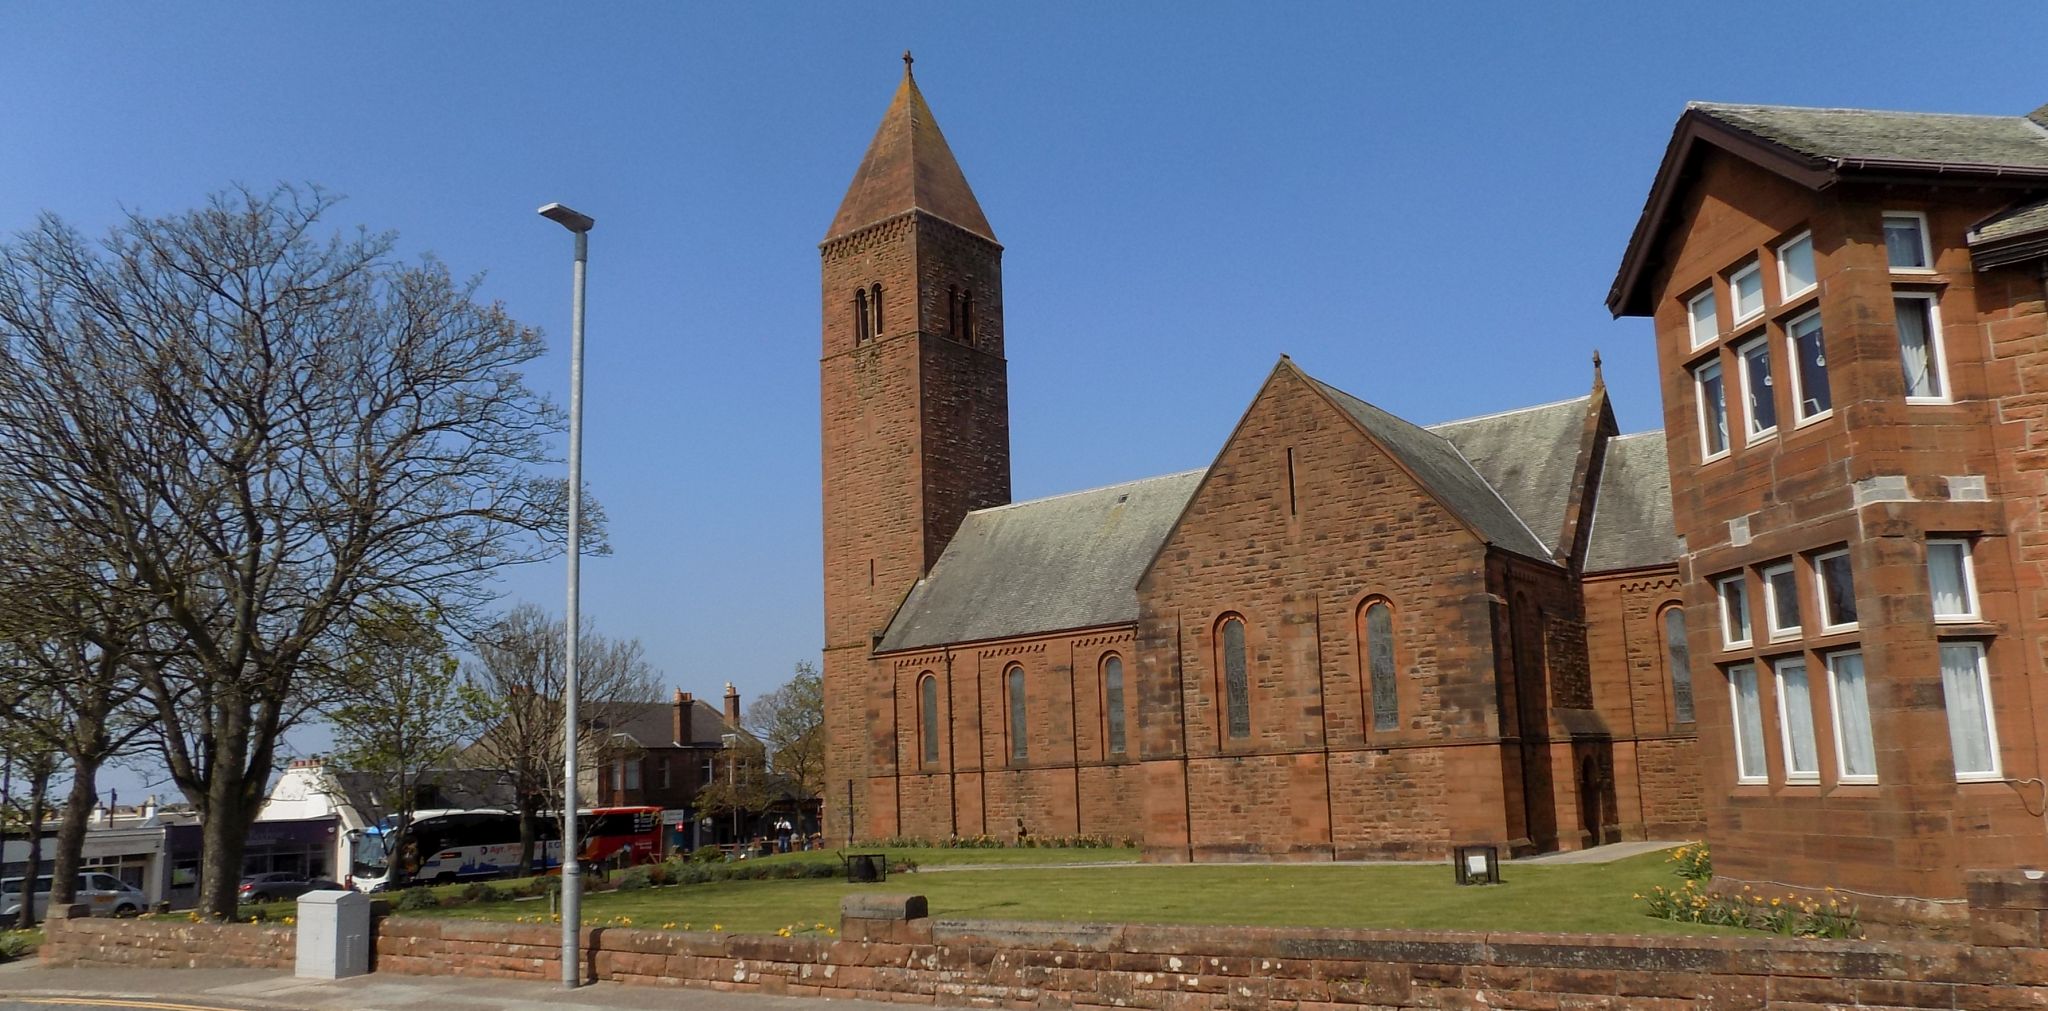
<point>1760,406</point>
<point>1966,691</point>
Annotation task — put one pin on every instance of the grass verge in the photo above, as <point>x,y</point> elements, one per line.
<point>1571,898</point>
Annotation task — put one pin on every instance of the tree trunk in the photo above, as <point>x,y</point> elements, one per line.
<point>223,834</point>
<point>71,831</point>
<point>39,794</point>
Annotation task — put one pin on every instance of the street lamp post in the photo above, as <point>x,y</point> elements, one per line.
<point>572,868</point>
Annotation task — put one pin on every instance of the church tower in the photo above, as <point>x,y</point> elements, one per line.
<point>915,401</point>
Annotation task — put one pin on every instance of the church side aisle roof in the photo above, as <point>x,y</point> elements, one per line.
<point>1437,462</point>
<point>1632,507</point>
<point>1069,561</point>
<point>1530,456</point>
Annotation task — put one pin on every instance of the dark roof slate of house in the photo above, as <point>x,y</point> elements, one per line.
<point>1873,135</point>
<point>1445,472</point>
<point>451,788</point>
<point>1632,507</point>
<point>1530,456</point>
<point>1069,561</point>
<point>652,724</point>
<point>2011,224</point>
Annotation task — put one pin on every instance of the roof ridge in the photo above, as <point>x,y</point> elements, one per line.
<point>1087,491</point>
<point>1850,108</point>
<point>1503,414</point>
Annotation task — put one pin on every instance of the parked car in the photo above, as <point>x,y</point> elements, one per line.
<point>281,886</point>
<point>104,894</point>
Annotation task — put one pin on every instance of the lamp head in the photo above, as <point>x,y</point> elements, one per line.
<point>561,214</point>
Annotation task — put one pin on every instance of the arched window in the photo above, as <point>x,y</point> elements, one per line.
<point>1678,657</point>
<point>1020,749</point>
<point>875,307</point>
<point>1379,661</point>
<point>860,316</point>
<point>1113,701</point>
<point>1237,691</point>
<point>928,717</point>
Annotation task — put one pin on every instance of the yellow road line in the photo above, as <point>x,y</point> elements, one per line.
<point>123,1002</point>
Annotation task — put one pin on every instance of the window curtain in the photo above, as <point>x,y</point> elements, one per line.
<point>1749,723</point>
<point>1800,755</point>
<point>1962,689</point>
<point>1852,716</point>
<point>1945,577</point>
<point>1916,348</point>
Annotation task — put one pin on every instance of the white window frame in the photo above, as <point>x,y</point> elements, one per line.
<point>1820,590</point>
<point>1751,435</point>
<point>1699,399</point>
<point>1692,319</point>
<point>1936,347</point>
<point>1771,603</point>
<point>1799,418</point>
<point>1835,714</point>
<point>1997,771</point>
<point>1735,293</point>
<point>1744,775</point>
<point>1976,611</point>
<point>1926,242</point>
<point>1785,292</point>
<point>1801,777</point>
<point>1740,582</point>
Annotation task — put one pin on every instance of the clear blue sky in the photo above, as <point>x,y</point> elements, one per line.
<point>1423,205</point>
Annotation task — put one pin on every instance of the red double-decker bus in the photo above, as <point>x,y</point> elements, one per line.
<point>621,836</point>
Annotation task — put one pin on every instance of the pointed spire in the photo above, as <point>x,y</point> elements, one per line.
<point>908,165</point>
<point>1598,381</point>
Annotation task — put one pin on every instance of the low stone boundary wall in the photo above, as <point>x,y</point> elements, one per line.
<point>889,948</point>
<point>165,944</point>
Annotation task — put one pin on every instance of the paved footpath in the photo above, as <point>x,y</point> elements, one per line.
<point>26,986</point>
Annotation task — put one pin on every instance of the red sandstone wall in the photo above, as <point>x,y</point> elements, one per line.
<point>1298,562</point>
<point>1068,782</point>
<point>166,944</point>
<point>1656,757</point>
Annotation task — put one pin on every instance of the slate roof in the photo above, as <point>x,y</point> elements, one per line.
<point>1530,456</point>
<point>1871,135</point>
<point>1069,561</point>
<point>453,788</point>
<point>1444,470</point>
<point>652,724</point>
<point>1632,507</point>
<point>2011,224</point>
<point>908,166</point>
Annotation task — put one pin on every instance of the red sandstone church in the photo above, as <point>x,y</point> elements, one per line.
<point>1354,636</point>
<point>1349,636</point>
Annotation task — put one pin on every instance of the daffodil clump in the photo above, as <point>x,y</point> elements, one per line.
<point>1826,916</point>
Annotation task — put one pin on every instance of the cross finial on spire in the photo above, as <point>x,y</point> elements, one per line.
<point>1597,381</point>
<point>907,61</point>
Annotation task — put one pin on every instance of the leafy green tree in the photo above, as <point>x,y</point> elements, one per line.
<point>790,723</point>
<point>401,719</point>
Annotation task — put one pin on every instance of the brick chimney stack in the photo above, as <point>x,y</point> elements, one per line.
<point>682,719</point>
<point>732,705</point>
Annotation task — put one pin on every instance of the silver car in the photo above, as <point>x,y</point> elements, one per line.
<point>104,894</point>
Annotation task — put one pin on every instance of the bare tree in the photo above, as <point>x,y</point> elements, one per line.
<point>515,688</point>
<point>262,432</point>
<point>790,721</point>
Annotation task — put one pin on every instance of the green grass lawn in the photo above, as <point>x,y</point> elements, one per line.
<point>1595,898</point>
